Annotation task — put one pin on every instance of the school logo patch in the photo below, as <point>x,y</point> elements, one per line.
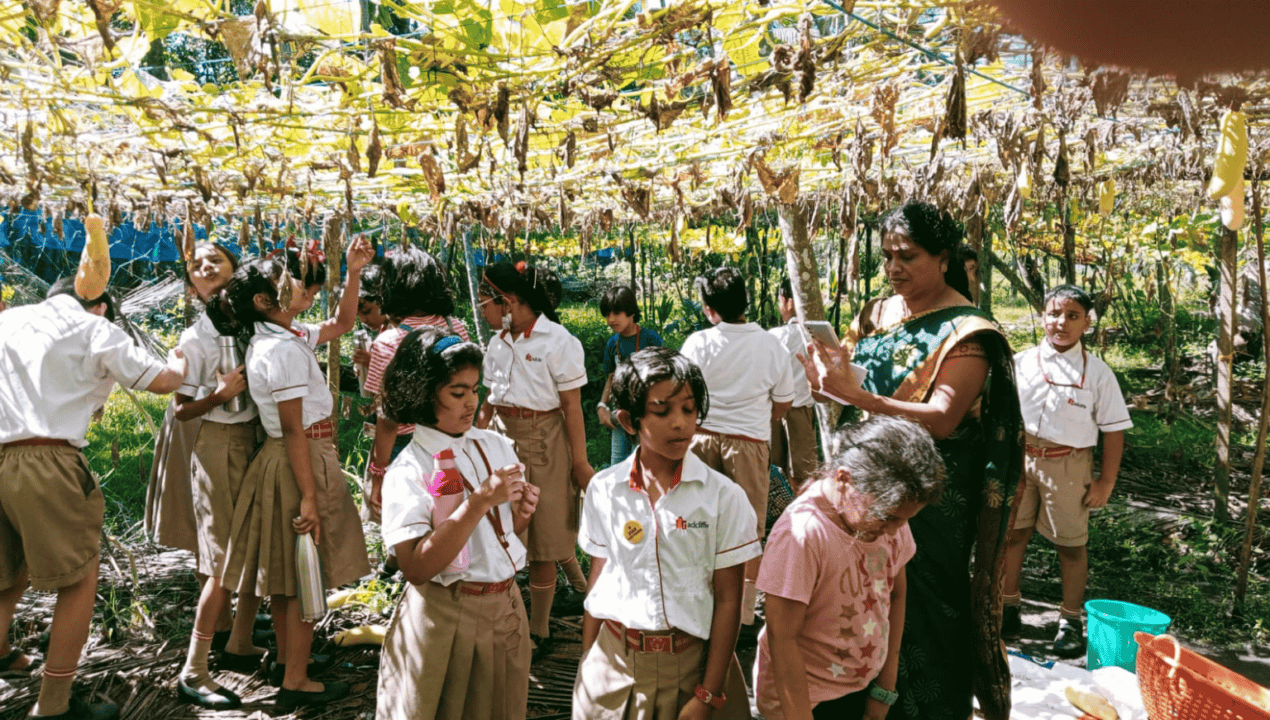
<point>530,358</point>
<point>1072,401</point>
<point>681,524</point>
<point>633,532</point>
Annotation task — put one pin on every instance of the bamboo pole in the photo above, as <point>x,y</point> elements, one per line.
<point>1225,367</point>
<point>332,244</point>
<point>1263,427</point>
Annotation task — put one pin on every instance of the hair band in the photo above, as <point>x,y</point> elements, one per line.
<point>443,343</point>
<point>521,267</point>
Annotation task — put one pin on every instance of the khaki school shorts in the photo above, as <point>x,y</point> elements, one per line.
<point>1054,493</point>
<point>745,462</point>
<point>50,516</point>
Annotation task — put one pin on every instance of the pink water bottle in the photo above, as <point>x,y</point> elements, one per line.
<point>447,491</point>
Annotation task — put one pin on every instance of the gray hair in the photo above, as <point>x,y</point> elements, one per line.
<point>891,460</point>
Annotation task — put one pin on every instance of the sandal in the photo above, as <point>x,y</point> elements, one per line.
<point>6,662</point>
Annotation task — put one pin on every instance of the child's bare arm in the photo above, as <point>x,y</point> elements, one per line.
<point>360,252</point>
<point>291,413</point>
<point>785,619</point>
<point>590,625</point>
<point>1112,452</point>
<point>575,430</point>
<point>724,625</point>
<point>887,678</point>
<point>605,414</point>
<point>485,415</point>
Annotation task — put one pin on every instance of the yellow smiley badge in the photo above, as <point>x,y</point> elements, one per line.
<point>633,532</point>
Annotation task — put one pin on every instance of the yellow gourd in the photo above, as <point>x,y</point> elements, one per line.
<point>1024,183</point>
<point>94,262</point>
<point>1232,208</point>
<point>364,635</point>
<point>1106,196</point>
<point>1232,155</point>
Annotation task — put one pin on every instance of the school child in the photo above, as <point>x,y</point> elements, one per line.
<point>794,435</point>
<point>370,314</point>
<point>621,310</point>
<point>1068,398</point>
<point>294,485</point>
<point>216,467</point>
<point>59,360</point>
<point>535,372</point>
<point>458,643</point>
<point>751,385</point>
<point>416,293</point>
<point>833,574</point>
<point>668,537</point>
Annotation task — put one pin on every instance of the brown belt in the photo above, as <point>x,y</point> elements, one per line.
<point>524,413</point>
<point>669,641</point>
<point>38,441</point>
<point>483,588</point>
<point>745,438</point>
<point>1049,452</point>
<point>320,429</point>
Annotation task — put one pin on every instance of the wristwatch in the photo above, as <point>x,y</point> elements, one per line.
<point>715,701</point>
<point>882,695</point>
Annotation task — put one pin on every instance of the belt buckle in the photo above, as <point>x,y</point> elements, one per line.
<point>657,643</point>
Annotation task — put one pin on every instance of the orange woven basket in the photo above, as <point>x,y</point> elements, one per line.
<point>1178,684</point>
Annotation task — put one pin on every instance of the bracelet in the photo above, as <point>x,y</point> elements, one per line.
<point>601,405</point>
<point>715,701</point>
<point>882,695</point>
<point>376,471</point>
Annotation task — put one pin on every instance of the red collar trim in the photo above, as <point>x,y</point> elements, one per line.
<point>524,335</point>
<point>636,479</point>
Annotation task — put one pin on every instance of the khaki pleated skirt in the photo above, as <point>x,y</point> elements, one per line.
<point>169,516</point>
<point>260,557</point>
<point>542,446</point>
<point>451,656</point>
<point>617,682</point>
<point>218,468</point>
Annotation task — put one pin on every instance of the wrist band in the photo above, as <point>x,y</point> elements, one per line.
<point>882,695</point>
<point>715,701</point>
<point>376,471</point>
<point>601,405</point>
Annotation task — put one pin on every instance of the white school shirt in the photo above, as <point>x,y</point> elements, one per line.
<point>792,338</point>
<point>746,370</point>
<point>408,503</point>
<point>281,366</point>
<point>58,363</point>
<point>532,370</point>
<point>659,562</point>
<point>199,342</point>
<point>1057,411</point>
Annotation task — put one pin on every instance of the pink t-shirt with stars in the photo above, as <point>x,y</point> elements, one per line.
<point>846,584</point>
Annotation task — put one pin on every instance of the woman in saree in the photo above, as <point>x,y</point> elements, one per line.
<point>932,357</point>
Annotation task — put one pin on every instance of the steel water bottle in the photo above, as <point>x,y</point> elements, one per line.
<point>229,361</point>
<point>308,576</point>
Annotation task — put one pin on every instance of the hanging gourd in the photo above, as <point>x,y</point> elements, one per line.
<point>1232,155</point>
<point>1024,183</point>
<point>1232,208</point>
<point>1106,196</point>
<point>94,262</point>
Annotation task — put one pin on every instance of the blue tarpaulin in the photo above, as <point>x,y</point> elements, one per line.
<point>33,229</point>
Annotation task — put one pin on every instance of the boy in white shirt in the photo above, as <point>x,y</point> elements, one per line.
<point>50,504</point>
<point>1068,397</point>
<point>794,435</point>
<point>750,378</point>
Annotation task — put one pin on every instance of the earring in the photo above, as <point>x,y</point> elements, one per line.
<point>943,267</point>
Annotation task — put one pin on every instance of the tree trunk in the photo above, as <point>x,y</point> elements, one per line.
<point>1035,299</point>
<point>1263,427</point>
<point>333,241</point>
<point>804,280</point>
<point>1069,239</point>
<point>1227,261</point>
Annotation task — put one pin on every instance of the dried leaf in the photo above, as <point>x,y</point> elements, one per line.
<point>1062,174</point>
<point>882,109</point>
<point>1038,77</point>
<point>501,110</point>
<point>721,84</point>
<point>432,175</point>
<point>375,150</point>
<point>394,91</point>
<point>1110,88</point>
<point>954,124</point>
<point>520,147</point>
<point>570,145</point>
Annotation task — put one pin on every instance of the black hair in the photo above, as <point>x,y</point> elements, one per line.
<point>892,461</point>
<point>936,232</point>
<point>66,286</point>
<point>315,274</point>
<point>966,253</point>
<point>786,290</point>
<point>619,299</point>
<point>260,276</point>
<point>234,262</point>
<point>371,288</point>
<point>415,283</point>
<point>636,375</point>
<point>416,371</point>
<point>1070,292</point>
<point>537,287</point>
<point>723,290</point>
<point>217,306</point>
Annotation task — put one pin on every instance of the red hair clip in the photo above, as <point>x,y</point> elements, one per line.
<point>314,250</point>
<point>521,267</point>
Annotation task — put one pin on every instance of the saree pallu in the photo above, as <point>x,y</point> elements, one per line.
<point>952,647</point>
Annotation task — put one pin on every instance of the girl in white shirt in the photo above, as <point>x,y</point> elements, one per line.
<point>453,501</point>
<point>294,485</point>
<point>535,371</point>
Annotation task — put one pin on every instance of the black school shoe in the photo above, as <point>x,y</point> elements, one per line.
<point>1011,621</point>
<point>1070,641</point>
<point>241,664</point>
<point>292,699</point>
<point>318,663</point>
<point>222,699</point>
<point>568,602</point>
<point>80,710</point>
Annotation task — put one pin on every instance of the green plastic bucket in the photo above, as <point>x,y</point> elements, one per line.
<point>1112,624</point>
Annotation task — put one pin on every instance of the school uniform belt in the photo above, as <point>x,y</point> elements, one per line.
<point>1050,452</point>
<point>486,588</point>
<point>320,429</point>
<point>745,438</point>
<point>666,641</point>
<point>524,413</point>
<point>37,441</point>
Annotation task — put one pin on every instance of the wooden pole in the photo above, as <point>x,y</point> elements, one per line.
<point>1069,237</point>
<point>1263,427</point>
<point>333,242</point>
<point>1227,262</point>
